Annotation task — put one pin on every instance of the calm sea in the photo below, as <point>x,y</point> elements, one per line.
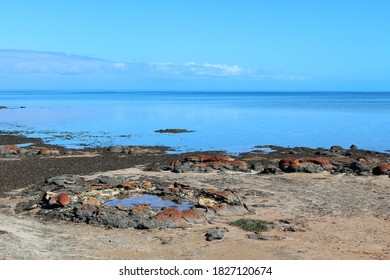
<point>230,121</point>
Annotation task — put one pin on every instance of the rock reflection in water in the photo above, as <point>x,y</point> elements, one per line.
<point>154,201</point>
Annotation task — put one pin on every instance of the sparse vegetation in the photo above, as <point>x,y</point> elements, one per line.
<point>252,224</point>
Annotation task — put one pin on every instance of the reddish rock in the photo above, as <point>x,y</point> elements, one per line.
<point>129,185</point>
<point>219,207</point>
<point>227,164</point>
<point>48,152</point>
<point>219,195</point>
<point>141,208</point>
<point>147,184</point>
<point>382,169</point>
<point>61,199</point>
<point>172,215</point>
<point>193,215</point>
<point>321,161</point>
<point>91,201</point>
<point>208,158</point>
<point>298,165</point>
<point>11,150</point>
<point>176,162</point>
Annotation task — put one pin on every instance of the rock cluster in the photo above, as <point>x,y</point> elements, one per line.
<point>71,198</point>
<point>133,150</point>
<point>362,166</point>
<point>208,163</point>
<point>13,150</point>
<point>335,161</point>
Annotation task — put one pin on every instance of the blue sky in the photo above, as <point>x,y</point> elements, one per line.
<point>217,45</point>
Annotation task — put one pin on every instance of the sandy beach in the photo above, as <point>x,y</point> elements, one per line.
<point>317,213</point>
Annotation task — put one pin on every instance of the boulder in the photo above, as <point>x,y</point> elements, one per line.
<point>305,165</point>
<point>48,152</point>
<point>215,234</point>
<point>382,169</point>
<point>11,150</point>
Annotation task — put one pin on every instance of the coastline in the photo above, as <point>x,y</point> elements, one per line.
<point>319,211</point>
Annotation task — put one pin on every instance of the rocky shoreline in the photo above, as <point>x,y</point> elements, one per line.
<point>294,189</point>
<point>38,161</point>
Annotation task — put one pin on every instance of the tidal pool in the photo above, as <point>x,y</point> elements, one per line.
<point>155,202</point>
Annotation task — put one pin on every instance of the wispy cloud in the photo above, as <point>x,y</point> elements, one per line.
<point>33,62</point>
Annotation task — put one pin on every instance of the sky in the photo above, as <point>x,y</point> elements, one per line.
<point>195,45</point>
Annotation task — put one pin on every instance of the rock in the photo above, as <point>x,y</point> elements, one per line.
<point>12,150</point>
<point>257,167</point>
<point>255,236</point>
<point>116,149</point>
<point>336,149</point>
<point>271,170</point>
<point>48,152</point>
<point>110,181</point>
<point>174,130</point>
<point>381,169</point>
<point>206,202</point>
<point>30,206</point>
<point>327,153</point>
<point>305,165</point>
<point>194,216</point>
<point>65,180</point>
<point>208,163</point>
<point>353,147</point>
<point>53,200</point>
<point>287,226</point>
<point>63,199</point>
<point>90,202</point>
<point>215,234</point>
<point>312,168</point>
<point>359,167</point>
<point>173,216</point>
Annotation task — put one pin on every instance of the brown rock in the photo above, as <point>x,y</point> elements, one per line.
<point>48,152</point>
<point>173,216</point>
<point>63,199</point>
<point>299,165</point>
<point>11,150</point>
<point>141,208</point>
<point>219,195</point>
<point>193,215</point>
<point>208,158</point>
<point>381,169</point>
<point>91,201</point>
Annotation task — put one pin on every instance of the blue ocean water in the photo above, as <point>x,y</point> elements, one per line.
<point>230,121</point>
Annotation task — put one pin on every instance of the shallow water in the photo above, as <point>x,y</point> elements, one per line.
<point>154,201</point>
<point>230,121</point>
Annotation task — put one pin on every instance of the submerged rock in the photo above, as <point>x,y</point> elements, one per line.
<point>174,130</point>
